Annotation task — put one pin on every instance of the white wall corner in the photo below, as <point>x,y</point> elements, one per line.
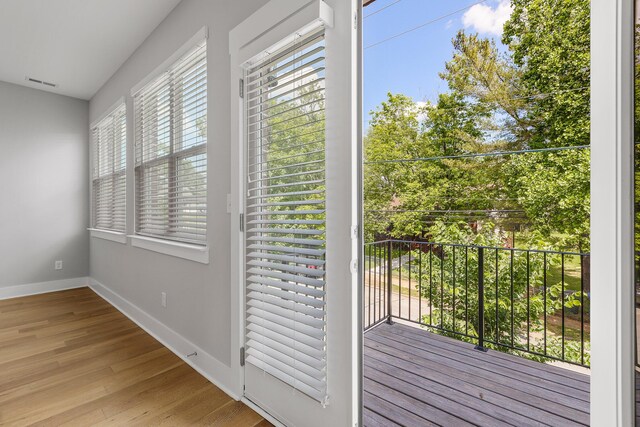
<point>42,287</point>
<point>208,366</point>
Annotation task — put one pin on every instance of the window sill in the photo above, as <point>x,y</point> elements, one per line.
<point>113,236</point>
<point>180,250</point>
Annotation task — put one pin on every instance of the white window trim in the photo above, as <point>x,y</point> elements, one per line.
<point>176,249</point>
<point>112,236</point>
<point>202,34</point>
<point>107,112</point>
<point>119,103</point>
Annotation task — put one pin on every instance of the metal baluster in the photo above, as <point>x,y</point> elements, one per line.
<point>453,248</point>
<point>466,290</point>
<point>512,300</point>
<point>544,293</point>
<point>389,291</point>
<point>528,302</point>
<point>420,283</point>
<point>497,304</point>
<point>480,345</point>
<point>562,300</point>
<point>430,284</point>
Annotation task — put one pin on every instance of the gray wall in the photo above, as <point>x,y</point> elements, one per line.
<point>44,186</point>
<point>198,295</point>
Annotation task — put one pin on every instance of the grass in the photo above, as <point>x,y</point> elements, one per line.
<point>572,272</point>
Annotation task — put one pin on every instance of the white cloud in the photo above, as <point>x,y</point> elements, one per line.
<point>487,20</point>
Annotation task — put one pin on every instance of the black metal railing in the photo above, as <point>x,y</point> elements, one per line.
<point>534,303</point>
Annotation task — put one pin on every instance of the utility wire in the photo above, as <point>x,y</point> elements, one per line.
<point>470,211</point>
<point>433,21</point>
<point>472,155</point>
<point>475,199</point>
<point>382,8</point>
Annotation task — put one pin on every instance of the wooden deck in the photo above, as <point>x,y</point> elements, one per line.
<point>637,397</point>
<point>416,378</point>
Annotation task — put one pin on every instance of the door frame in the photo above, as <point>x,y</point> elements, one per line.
<point>612,308</point>
<point>262,29</point>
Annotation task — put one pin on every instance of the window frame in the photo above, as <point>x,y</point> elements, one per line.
<point>96,231</point>
<point>171,245</point>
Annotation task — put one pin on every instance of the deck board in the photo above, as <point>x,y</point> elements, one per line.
<point>637,398</point>
<point>407,369</point>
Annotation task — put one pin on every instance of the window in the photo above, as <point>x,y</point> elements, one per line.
<point>109,176</point>
<point>285,238</point>
<point>171,152</point>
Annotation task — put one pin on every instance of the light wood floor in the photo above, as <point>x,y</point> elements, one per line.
<point>70,358</point>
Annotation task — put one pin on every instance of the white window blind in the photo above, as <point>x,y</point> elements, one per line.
<point>109,177</point>
<point>171,152</point>
<point>285,214</point>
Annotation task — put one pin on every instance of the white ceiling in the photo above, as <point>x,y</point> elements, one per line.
<point>77,44</point>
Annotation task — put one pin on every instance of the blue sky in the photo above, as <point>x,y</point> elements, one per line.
<point>409,64</point>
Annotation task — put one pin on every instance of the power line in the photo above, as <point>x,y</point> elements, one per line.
<point>469,211</point>
<point>472,155</point>
<point>382,8</point>
<point>464,198</point>
<point>433,21</point>
<point>478,216</point>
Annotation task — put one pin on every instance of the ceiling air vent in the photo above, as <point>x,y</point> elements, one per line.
<point>40,82</point>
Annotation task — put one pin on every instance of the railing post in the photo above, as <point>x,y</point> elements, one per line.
<point>389,280</point>
<point>480,345</point>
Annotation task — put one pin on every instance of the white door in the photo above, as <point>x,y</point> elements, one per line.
<point>296,121</point>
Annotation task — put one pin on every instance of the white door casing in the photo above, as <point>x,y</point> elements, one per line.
<point>612,295</point>
<point>276,21</point>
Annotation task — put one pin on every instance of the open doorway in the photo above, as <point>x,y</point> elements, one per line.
<point>476,212</point>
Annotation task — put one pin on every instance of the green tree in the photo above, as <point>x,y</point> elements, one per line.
<point>549,41</point>
<point>394,134</point>
<point>288,156</point>
<point>404,196</point>
<point>532,95</point>
<point>554,191</point>
<point>490,82</point>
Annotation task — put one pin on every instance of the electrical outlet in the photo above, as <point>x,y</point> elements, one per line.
<point>58,265</point>
<point>164,299</point>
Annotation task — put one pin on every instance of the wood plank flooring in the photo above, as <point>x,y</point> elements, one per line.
<point>70,358</point>
<point>413,377</point>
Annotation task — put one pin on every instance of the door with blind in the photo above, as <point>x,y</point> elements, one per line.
<point>285,215</point>
<point>294,264</point>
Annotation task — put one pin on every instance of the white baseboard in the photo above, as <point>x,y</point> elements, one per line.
<point>208,366</point>
<point>42,287</point>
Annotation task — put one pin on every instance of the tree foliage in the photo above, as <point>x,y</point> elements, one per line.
<point>549,41</point>
<point>532,95</point>
<point>518,289</point>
